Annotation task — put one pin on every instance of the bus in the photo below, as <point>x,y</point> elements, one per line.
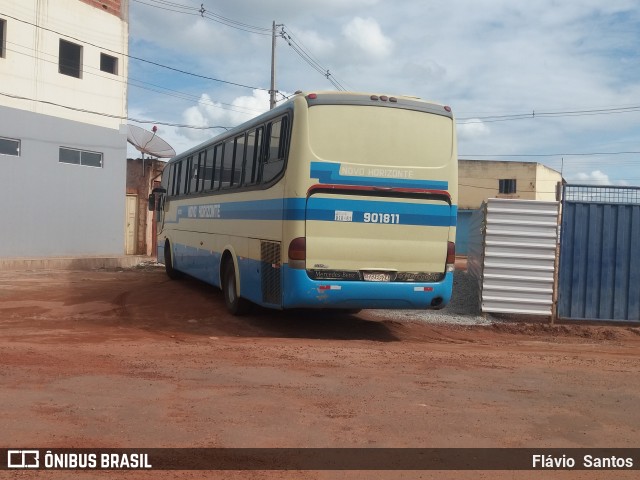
<point>331,200</point>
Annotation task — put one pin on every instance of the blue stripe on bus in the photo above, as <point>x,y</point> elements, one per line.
<point>329,173</point>
<point>275,209</point>
<point>322,209</point>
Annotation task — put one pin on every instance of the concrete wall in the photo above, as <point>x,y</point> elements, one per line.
<point>479,181</point>
<point>55,209</point>
<point>30,70</point>
<point>546,183</point>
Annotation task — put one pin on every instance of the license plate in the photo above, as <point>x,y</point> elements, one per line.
<point>376,276</point>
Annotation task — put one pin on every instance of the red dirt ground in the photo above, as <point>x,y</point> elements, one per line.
<point>132,359</point>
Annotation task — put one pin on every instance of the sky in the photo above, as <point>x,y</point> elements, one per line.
<point>549,81</point>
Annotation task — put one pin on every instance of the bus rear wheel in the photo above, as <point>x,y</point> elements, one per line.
<point>235,304</point>
<point>172,273</point>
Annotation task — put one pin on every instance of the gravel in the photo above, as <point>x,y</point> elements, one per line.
<point>464,308</point>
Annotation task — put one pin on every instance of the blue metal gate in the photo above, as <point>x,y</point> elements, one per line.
<point>599,272</point>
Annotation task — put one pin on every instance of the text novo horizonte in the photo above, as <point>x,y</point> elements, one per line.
<point>376,172</point>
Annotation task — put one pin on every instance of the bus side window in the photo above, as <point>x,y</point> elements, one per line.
<point>217,163</point>
<point>201,174</point>
<point>193,175</point>
<point>276,149</point>
<point>178,178</point>
<point>226,168</point>
<point>171,169</point>
<point>254,147</point>
<point>238,160</point>
<point>209,164</point>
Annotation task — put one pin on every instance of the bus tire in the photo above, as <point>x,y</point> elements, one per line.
<point>235,304</point>
<point>172,273</point>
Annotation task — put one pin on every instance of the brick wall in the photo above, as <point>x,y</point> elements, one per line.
<point>140,177</point>
<point>114,7</point>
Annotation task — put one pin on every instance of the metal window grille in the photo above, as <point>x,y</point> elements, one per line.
<point>602,194</point>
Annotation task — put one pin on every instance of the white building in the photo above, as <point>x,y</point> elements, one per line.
<point>63,99</point>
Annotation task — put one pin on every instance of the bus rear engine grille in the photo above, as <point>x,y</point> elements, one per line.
<point>270,272</point>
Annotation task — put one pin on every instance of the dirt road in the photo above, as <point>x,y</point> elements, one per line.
<point>132,359</point>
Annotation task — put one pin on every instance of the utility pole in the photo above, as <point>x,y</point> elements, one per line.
<point>272,92</point>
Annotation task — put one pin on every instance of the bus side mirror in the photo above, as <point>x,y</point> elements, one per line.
<point>152,202</point>
<point>152,197</point>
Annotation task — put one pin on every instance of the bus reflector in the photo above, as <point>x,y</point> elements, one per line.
<point>451,257</point>
<point>329,287</point>
<point>298,249</point>
<point>448,108</point>
<point>423,289</point>
<point>312,96</point>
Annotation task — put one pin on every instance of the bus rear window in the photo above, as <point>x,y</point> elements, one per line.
<point>380,136</point>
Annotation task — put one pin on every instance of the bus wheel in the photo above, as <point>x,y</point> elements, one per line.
<point>235,304</point>
<point>172,273</point>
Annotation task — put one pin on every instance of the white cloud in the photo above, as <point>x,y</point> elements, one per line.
<point>595,177</point>
<point>319,45</point>
<point>367,36</point>
<point>472,129</point>
<point>208,113</point>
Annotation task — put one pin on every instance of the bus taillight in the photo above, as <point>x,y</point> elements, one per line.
<point>298,252</point>
<point>451,257</point>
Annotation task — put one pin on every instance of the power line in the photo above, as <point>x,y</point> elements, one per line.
<point>133,82</point>
<point>195,10</point>
<point>109,115</point>
<point>172,4</point>
<point>184,72</point>
<point>295,44</point>
<point>300,50</point>
<point>202,12</point>
<point>551,114</point>
<point>533,155</point>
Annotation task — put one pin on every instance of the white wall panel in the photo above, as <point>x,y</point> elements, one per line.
<point>514,258</point>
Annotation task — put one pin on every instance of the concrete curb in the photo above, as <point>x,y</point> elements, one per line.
<point>73,263</point>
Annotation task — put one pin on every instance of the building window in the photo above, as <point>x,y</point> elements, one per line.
<point>507,186</point>
<point>3,29</point>
<point>108,63</point>
<point>70,59</point>
<point>9,146</point>
<point>80,157</point>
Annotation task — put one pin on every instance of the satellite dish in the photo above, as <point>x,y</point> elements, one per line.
<point>148,142</point>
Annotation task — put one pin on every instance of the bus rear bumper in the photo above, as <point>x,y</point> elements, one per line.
<point>300,291</point>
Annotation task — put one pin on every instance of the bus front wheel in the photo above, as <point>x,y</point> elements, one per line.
<point>235,304</point>
<point>172,273</point>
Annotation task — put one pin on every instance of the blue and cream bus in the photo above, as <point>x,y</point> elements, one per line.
<point>331,200</point>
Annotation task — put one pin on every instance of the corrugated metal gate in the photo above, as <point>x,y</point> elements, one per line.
<point>512,253</point>
<point>599,275</point>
